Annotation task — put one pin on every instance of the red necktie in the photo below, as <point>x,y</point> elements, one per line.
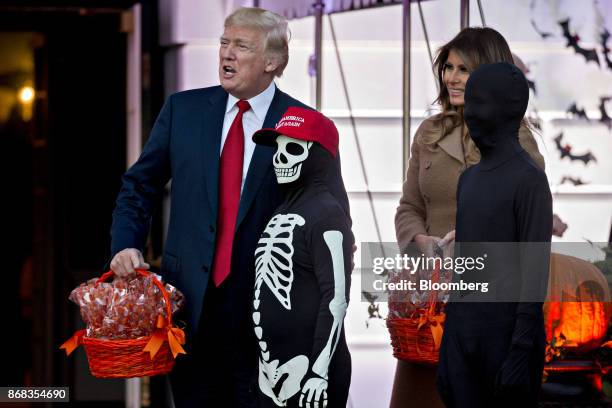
<point>230,181</point>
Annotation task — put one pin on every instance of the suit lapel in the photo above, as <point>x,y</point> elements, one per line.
<point>213,127</point>
<point>451,144</point>
<point>262,157</point>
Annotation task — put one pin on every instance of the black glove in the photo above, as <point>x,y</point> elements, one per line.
<point>514,376</point>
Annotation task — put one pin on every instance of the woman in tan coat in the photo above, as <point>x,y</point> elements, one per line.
<point>441,150</point>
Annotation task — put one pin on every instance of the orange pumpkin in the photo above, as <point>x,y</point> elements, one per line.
<point>578,304</point>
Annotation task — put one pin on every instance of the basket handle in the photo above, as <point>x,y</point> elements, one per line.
<point>143,272</point>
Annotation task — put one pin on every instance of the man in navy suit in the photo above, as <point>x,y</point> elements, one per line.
<point>219,206</point>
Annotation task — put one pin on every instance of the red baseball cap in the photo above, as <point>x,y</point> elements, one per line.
<point>303,124</point>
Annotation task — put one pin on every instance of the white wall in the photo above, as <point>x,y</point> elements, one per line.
<point>370,47</point>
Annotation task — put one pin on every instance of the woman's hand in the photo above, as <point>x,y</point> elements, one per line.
<point>448,244</point>
<point>448,238</point>
<point>427,244</point>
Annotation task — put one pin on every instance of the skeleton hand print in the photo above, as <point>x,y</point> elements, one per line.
<point>314,393</point>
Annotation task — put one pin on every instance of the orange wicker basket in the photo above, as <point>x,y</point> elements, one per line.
<point>143,356</point>
<point>417,338</point>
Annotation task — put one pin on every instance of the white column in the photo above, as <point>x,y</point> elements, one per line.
<point>131,24</point>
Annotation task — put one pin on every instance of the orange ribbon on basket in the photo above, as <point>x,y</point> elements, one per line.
<point>431,318</point>
<point>75,341</point>
<point>435,322</point>
<point>174,336</point>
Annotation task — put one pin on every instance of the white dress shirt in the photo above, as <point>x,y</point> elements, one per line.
<point>252,121</point>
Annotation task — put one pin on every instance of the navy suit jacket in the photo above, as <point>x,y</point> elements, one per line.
<point>184,146</point>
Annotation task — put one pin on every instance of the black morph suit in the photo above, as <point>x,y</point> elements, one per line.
<point>303,264</point>
<point>492,354</point>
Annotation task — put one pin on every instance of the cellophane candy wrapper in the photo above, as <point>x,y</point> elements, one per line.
<point>400,304</point>
<point>410,303</point>
<point>125,308</point>
<point>407,303</point>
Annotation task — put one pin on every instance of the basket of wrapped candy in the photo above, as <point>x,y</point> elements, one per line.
<point>130,332</point>
<point>416,323</point>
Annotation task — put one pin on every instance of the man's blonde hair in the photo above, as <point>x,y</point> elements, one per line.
<point>274,27</point>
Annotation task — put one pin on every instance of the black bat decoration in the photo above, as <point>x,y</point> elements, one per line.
<point>577,181</point>
<point>574,111</point>
<point>572,41</point>
<point>373,308</point>
<point>604,45</point>
<point>543,35</point>
<point>566,151</point>
<point>605,118</point>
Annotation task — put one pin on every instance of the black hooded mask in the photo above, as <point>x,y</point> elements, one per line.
<point>494,109</point>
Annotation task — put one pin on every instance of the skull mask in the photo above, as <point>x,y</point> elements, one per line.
<point>288,159</point>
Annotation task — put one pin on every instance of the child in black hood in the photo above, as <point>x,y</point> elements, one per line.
<point>492,353</point>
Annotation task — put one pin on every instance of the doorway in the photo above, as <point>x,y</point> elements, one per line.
<point>63,166</point>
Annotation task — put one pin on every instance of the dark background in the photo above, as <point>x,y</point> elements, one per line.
<point>62,171</point>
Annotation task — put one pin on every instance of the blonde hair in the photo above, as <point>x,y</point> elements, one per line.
<point>274,27</point>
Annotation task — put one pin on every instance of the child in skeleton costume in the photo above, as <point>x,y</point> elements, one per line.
<point>303,266</point>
